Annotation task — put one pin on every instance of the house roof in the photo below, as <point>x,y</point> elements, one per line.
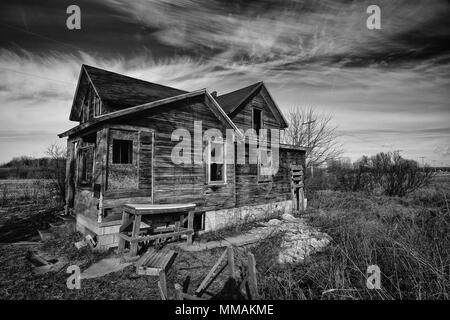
<point>128,95</point>
<point>211,103</point>
<point>232,100</point>
<point>121,91</point>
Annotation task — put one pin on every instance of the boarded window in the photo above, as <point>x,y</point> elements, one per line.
<point>86,165</point>
<point>122,151</point>
<point>257,120</point>
<point>216,163</point>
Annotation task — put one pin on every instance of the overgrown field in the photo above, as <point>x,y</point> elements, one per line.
<point>36,190</point>
<point>408,238</point>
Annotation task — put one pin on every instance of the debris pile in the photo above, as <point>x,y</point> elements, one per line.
<point>299,240</point>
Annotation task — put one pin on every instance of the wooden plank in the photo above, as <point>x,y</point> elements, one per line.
<point>125,219</point>
<point>252,281</point>
<point>205,281</point>
<point>178,291</point>
<point>145,271</point>
<point>230,257</point>
<point>162,292</point>
<point>134,235</point>
<point>162,284</point>
<point>154,237</point>
<point>190,227</point>
<point>143,209</point>
<point>169,261</point>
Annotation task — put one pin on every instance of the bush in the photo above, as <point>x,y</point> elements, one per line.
<point>384,173</point>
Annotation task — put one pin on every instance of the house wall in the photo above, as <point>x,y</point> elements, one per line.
<point>240,199</point>
<point>251,191</point>
<point>184,182</point>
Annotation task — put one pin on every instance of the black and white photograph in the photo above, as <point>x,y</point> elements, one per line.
<point>211,150</point>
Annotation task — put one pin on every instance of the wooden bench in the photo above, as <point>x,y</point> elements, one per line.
<point>156,263</point>
<point>132,215</point>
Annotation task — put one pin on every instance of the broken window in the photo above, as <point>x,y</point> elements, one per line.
<point>216,162</point>
<point>122,151</point>
<point>257,120</point>
<point>86,165</point>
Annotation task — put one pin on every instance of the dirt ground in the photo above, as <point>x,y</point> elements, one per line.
<point>17,280</point>
<point>19,223</point>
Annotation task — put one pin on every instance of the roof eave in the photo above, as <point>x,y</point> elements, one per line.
<point>128,111</point>
<point>146,106</point>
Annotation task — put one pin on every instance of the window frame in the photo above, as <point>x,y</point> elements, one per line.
<point>261,122</point>
<point>208,164</point>
<point>97,106</point>
<point>82,165</point>
<point>265,177</point>
<point>130,151</point>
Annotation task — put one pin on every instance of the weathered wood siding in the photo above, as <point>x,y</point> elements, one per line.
<point>251,192</point>
<point>243,119</point>
<point>183,182</point>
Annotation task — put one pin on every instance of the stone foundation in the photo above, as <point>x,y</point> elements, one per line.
<point>218,219</point>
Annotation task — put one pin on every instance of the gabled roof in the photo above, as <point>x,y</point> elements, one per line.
<point>210,102</point>
<point>121,91</point>
<point>232,101</point>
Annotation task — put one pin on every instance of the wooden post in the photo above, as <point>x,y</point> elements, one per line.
<point>190,236</point>
<point>162,283</point>
<point>252,282</point>
<point>135,234</point>
<point>70,168</point>
<point>230,255</point>
<point>301,197</point>
<point>178,291</point>
<point>125,219</point>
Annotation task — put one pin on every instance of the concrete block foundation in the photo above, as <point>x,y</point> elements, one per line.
<point>219,219</point>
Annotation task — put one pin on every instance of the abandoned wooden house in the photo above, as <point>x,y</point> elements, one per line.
<point>120,154</point>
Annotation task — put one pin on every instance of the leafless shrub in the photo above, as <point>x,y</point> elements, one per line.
<point>387,172</point>
<point>57,169</point>
<point>315,130</point>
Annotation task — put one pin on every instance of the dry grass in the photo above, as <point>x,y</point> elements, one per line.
<point>20,190</point>
<point>408,238</point>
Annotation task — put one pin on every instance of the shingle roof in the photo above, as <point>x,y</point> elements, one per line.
<point>230,101</point>
<point>123,91</point>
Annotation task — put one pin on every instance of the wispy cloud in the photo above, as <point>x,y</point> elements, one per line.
<point>386,88</point>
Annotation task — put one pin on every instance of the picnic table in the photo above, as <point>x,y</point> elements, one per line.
<point>132,215</point>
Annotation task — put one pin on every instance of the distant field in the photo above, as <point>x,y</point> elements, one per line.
<point>25,189</point>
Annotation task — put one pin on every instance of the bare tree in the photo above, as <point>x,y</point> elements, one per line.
<point>57,169</point>
<point>309,128</point>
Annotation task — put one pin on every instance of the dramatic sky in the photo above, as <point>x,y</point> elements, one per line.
<point>387,89</point>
